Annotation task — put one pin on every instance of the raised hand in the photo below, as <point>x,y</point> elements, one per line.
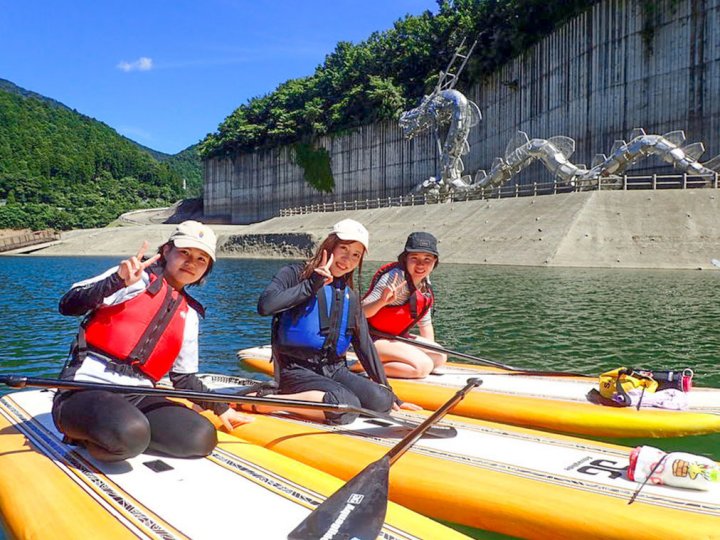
<point>389,293</point>
<point>324,268</point>
<point>130,270</point>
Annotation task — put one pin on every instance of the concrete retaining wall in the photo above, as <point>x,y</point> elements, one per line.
<point>595,79</point>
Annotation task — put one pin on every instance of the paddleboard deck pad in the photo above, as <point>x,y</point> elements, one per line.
<point>49,489</point>
<point>554,403</point>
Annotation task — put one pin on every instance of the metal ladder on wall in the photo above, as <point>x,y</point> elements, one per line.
<point>447,79</point>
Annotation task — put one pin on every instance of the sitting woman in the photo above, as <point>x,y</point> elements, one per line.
<point>399,298</point>
<point>316,317</point>
<point>140,324</point>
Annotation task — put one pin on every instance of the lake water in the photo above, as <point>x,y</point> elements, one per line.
<point>586,320</point>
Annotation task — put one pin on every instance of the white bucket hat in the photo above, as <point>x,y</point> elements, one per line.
<point>351,230</point>
<point>193,234</point>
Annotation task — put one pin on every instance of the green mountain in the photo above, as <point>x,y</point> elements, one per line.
<point>62,169</point>
<point>12,88</point>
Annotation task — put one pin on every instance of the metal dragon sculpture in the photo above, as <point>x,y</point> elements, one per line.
<point>445,106</point>
<point>554,153</point>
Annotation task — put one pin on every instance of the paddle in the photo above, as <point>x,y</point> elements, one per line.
<point>357,510</point>
<point>19,381</point>
<point>477,359</point>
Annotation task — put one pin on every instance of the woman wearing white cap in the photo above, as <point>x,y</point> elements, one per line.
<point>316,317</point>
<point>140,324</point>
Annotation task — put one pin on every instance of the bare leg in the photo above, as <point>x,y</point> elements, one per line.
<point>439,359</point>
<point>402,360</point>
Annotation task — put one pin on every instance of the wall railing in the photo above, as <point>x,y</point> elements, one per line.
<point>623,183</point>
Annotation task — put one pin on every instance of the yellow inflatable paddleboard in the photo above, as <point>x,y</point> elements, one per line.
<point>552,403</point>
<point>501,478</point>
<point>49,489</point>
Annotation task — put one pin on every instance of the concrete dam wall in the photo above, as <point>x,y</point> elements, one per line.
<point>594,79</point>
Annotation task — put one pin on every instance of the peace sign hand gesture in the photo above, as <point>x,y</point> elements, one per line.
<point>389,293</point>
<point>130,270</point>
<point>324,268</point>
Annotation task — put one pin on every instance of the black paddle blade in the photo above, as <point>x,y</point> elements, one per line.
<point>355,511</point>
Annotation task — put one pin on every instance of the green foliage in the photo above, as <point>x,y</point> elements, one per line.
<point>315,163</point>
<point>389,72</point>
<point>64,170</point>
<point>188,165</point>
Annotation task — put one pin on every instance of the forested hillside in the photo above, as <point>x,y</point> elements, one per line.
<point>188,165</point>
<point>390,71</point>
<point>63,170</point>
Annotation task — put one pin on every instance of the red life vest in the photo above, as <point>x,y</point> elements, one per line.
<point>398,320</point>
<point>145,332</point>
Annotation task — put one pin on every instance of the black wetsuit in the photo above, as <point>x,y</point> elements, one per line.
<point>114,426</point>
<point>301,369</point>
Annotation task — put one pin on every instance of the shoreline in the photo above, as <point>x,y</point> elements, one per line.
<point>674,229</point>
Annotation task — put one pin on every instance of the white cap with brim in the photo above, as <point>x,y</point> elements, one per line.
<point>193,234</point>
<point>352,231</point>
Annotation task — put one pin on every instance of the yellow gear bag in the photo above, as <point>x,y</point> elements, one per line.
<point>617,383</point>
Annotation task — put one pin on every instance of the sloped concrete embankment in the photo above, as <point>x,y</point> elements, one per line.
<point>633,229</point>
<point>630,229</point>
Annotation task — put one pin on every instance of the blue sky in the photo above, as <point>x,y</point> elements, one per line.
<point>166,73</point>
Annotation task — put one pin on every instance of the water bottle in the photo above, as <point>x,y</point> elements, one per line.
<point>678,469</point>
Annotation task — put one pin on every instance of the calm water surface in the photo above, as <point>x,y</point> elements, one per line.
<point>586,320</point>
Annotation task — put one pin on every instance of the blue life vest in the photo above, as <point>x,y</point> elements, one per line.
<point>322,324</point>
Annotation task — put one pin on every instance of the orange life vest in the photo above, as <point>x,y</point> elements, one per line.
<point>145,332</point>
<point>398,320</point>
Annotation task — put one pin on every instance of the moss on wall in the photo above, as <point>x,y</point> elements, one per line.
<point>315,163</point>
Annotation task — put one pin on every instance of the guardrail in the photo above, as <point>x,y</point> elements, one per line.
<point>624,183</point>
<point>28,239</point>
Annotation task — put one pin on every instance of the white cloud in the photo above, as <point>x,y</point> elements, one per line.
<point>141,64</point>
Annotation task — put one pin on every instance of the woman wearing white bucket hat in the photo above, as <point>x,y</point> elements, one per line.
<point>140,324</point>
<point>316,317</point>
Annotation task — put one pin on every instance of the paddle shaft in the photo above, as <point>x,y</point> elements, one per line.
<point>18,381</point>
<point>408,440</point>
<point>477,359</point>
<point>21,382</point>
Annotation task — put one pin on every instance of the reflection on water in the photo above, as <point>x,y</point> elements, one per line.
<point>582,319</point>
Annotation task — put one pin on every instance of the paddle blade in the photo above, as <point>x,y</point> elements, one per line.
<point>356,510</point>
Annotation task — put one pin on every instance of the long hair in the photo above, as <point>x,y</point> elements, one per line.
<point>328,246</point>
<point>161,261</point>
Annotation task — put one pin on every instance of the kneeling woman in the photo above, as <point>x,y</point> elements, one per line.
<point>316,317</point>
<point>140,325</point>
<point>399,298</point>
